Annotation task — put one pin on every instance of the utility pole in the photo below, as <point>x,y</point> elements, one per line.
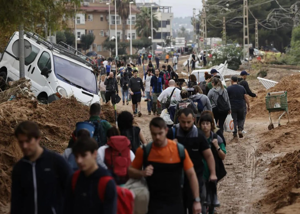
<point>224,30</point>
<point>75,33</point>
<point>116,29</point>
<point>194,24</point>
<point>256,34</point>
<point>152,33</point>
<point>245,29</point>
<point>204,23</point>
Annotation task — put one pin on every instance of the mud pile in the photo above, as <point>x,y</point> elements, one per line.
<point>284,184</point>
<point>289,84</point>
<point>56,121</point>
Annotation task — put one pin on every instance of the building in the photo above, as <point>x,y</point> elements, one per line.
<point>165,16</point>
<point>93,18</point>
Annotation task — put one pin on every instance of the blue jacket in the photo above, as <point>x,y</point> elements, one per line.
<point>157,84</point>
<point>38,187</point>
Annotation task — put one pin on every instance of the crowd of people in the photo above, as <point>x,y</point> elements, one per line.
<point>181,165</point>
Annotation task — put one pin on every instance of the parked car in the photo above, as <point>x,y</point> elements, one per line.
<point>54,71</point>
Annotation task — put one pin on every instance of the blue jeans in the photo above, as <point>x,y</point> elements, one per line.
<point>149,103</point>
<point>124,95</point>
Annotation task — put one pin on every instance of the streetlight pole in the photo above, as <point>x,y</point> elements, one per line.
<point>152,32</point>
<point>194,23</point>
<point>130,3</point>
<point>109,22</point>
<point>116,29</point>
<point>75,29</point>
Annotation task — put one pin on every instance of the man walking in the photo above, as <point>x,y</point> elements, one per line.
<point>147,83</point>
<point>157,86</point>
<point>173,94</point>
<point>39,178</point>
<point>238,99</point>
<point>193,61</point>
<point>135,87</point>
<point>163,162</point>
<point>175,61</point>
<point>82,195</point>
<point>245,84</point>
<point>111,88</point>
<point>197,146</point>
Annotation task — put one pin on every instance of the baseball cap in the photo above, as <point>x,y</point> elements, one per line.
<point>213,71</point>
<point>244,73</point>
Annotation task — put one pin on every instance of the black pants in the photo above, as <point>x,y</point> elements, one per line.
<point>220,117</point>
<point>238,116</point>
<point>110,95</point>
<point>163,208</point>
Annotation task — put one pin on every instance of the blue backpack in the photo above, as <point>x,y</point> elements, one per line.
<point>72,162</point>
<point>200,106</point>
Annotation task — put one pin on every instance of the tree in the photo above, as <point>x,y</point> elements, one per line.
<point>111,45</point>
<point>138,44</point>
<point>87,41</point>
<point>70,38</point>
<point>39,16</point>
<point>123,11</point>
<point>143,23</point>
<point>184,33</point>
<point>60,37</point>
<point>168,42</point>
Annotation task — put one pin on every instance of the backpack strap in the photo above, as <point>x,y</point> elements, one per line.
<point>102,186</point>
<point>147,150</point>
<point>181,152</point>
<point>74,179</point>
<point>174,129</point>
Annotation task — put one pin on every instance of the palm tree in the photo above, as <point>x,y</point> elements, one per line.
<point>123,11</point>
<point>143,23</point>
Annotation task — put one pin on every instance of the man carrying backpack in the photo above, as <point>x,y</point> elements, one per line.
<point>156,87</point>
<point>39,178</point>
<point>197,146</point>
<point>111,88</point>
<point>166,76</point>
<point>163,162</point>
<point>135,88</point>
<point>101,126</point>
<point>91,189</point>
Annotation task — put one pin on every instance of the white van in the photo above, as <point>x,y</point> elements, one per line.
<point>54,71</point>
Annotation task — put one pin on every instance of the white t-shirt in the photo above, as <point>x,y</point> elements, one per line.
<point>167,92</point>
<point>105,63</point>
<point>147,82</point>
<point>101,154</point>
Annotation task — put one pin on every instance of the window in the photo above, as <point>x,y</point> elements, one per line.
<point>91,32</point>
<point>78,19</point>
<point>101,18</point>
<point>32,56</point>
<point>168,22</point>
<point>44,61</point>
<point>113,20</point>
<point>78,35</point>
<point>101,33</point>
<point>99,48</point>
<point>132,20</point>
<point>90,17</point>
<point>133,35</point>
<point>119,35</point>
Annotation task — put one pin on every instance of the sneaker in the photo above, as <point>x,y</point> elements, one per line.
<point>127,102</point>
<point>149,113</point>
<point>234,135</point>
<point>134,114</point>
<point>241,135</point>
<point>139,114</point>
<point>123,103</point>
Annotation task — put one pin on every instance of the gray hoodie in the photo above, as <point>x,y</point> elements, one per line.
<point>204,100</point>
<point>214,94</point>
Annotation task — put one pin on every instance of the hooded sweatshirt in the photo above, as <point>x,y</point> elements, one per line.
<point>214,94</point>
<point>204,100</point>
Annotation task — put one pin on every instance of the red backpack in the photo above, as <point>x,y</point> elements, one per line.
<point>117,157</point>
<point>125,201</point>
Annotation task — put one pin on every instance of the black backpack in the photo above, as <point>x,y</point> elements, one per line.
<point>100,133</point>
<point>222,105</point>
<point>133,137</point>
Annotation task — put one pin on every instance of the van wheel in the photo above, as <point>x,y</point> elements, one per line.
<point>43,99</point>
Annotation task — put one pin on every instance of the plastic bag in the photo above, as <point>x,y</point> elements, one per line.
<point>228,124</point>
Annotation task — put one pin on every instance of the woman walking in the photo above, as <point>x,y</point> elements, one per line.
<point>220,102</point>
<point>102,87</point>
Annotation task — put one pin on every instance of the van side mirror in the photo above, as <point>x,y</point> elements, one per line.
<point>45,72</point>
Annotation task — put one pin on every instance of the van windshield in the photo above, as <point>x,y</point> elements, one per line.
<point>74,74</point>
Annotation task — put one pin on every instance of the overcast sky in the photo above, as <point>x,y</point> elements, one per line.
<point>180,8</point>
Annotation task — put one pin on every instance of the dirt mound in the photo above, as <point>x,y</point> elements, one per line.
<point>284,183</point>
<point>56,121</point>
<point>289,84</point>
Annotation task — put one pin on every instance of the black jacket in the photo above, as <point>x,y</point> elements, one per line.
<point>111,85</point>
<point>245,84</point>
<point>125,83</point>
<point>85,198</point>
<point>39,185</point>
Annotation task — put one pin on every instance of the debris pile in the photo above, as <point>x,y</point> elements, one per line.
<point>56,121</point>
